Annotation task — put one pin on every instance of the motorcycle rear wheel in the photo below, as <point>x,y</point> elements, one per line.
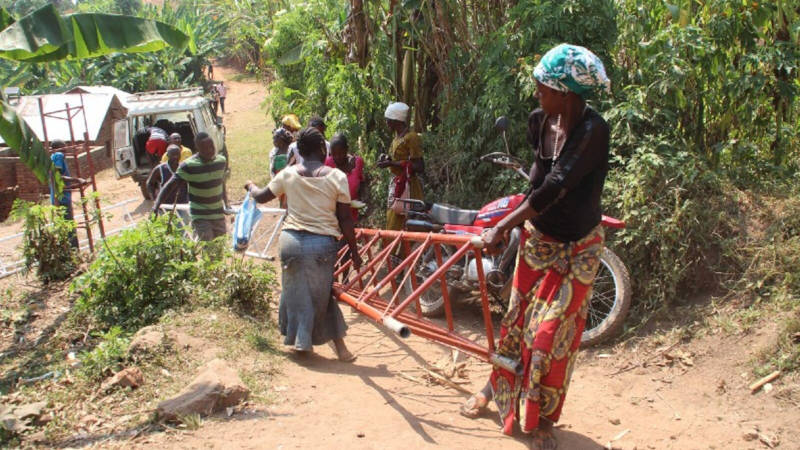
<point>610,302</point>
<point>608,307</point>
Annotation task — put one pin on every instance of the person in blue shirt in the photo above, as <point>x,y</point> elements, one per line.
<point>60,163</point>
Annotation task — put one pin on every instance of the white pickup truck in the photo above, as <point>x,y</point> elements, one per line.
<point>183,111</point>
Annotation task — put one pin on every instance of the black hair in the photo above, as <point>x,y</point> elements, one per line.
<point>57,143</point>
<point>201,136</point>
<point>310,140</point>
<point>339,140</point>
<point>316,121</point>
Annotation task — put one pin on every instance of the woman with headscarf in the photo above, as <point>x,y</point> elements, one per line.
<point>404,160</point>
<point>560,251</point>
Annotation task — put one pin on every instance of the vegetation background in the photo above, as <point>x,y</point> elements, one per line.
<point>704,109</point>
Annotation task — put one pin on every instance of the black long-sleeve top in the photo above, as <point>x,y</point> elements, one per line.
<point>566,194</point>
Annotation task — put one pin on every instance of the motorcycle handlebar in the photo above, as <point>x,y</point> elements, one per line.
<point>507,161</point>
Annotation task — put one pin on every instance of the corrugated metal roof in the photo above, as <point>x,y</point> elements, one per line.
<point>121,95</point>
<point>137,106</point>
<point>96,107</point>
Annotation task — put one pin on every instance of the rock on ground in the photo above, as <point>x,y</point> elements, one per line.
<point>217,387</point>
<point>147,340</point>
<point>130,377</point>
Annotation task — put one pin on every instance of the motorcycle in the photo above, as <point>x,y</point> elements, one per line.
<point>611,292</point>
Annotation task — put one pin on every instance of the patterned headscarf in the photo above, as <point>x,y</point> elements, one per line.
<point>572,68</point>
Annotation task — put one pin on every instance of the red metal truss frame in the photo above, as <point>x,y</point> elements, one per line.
<point>365,290</point>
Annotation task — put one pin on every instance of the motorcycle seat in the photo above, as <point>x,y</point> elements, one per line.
<point>450,215</point>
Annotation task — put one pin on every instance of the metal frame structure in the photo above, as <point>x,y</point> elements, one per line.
<point>367,290</point>
<point>74,149</point>
<point>183,207</point>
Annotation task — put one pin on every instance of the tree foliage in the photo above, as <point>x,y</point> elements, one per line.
<point>704,103</point>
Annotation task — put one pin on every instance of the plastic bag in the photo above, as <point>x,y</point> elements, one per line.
<point>246,220</point>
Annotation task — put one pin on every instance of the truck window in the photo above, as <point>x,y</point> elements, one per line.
<point>210,122</point>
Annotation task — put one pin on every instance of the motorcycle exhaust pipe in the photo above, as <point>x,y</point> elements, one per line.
<point>510,254</point>
<point>398,327</point>
<point>507,363</point>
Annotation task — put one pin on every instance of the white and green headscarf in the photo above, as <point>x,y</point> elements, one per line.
<point>572,68</point>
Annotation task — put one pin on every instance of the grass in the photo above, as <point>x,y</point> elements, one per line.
<point>249,142</point>
<point>784,355</point>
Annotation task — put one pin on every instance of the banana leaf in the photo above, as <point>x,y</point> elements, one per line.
<point>21,138</point>
<point>6,19</point>
<point>44,35</point>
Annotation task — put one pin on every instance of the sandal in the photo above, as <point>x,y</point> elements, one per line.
<point>474,406</point>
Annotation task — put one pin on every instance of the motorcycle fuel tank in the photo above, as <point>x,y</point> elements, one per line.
<point>493,212</point>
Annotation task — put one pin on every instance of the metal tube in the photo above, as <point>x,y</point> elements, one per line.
<point>512,365</point>
<point>487,314</point>
<point>448,310</point>
<point>452,239</point>
<point>371,264</point>
<point>272,236</point>
<point>398,327</point>
<point>374,291</point>
<point>410,273</point>
<point>370,312</point>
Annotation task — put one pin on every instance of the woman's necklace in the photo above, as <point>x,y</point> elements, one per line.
<point>556,139</point>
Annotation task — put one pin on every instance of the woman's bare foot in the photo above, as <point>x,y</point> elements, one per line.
<point>342,353</point>
<point>474,406</point>
<point>543,438</point>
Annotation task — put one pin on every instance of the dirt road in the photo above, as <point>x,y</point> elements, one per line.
<point>697,400</point>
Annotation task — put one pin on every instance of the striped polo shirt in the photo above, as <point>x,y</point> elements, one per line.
<point>205,186</point>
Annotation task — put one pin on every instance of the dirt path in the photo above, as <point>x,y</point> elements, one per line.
<point>698,403</point>
<point>686,396</point>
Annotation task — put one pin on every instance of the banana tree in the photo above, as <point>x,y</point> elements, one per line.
<point>44,35</point>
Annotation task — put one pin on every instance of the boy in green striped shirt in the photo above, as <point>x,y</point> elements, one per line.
<point>204,175</point>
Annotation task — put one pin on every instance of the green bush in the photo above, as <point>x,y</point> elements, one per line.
<point>152,268</point>
<point>681,222</point>
<point>237,283</point>
<point>46,240</point>
<point>138,275</point>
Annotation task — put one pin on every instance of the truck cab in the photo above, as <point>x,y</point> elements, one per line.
<point>183,111</point>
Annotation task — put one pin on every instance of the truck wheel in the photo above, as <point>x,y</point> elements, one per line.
<point>145,192</point>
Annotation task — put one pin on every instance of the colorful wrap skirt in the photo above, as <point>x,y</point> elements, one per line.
<point>543,325</point>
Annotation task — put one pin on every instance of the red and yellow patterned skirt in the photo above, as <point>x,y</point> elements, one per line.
<point>543,325</point>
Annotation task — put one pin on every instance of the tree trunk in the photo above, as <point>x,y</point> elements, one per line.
<point>357,34</point>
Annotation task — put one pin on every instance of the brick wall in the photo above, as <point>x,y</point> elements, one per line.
<point>8,173</point>
<point>29,186</point>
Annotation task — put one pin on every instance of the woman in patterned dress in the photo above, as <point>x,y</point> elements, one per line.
<point>560,251</point>
<point>404,160</point>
